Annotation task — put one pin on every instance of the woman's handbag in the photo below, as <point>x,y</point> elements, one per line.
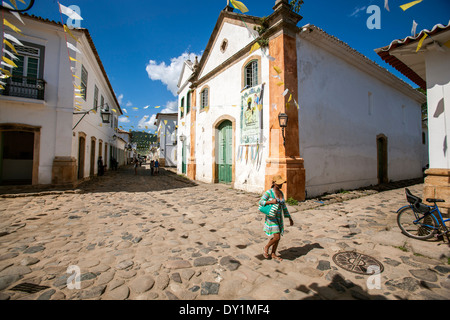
<point>267,209</point>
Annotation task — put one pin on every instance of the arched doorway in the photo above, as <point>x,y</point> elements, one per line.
<point>382,159</point>
<point>92,164</point>
<point>225,151</point>
<point>81,155</point>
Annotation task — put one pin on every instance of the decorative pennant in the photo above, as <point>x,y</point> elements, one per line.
<point>13,27</point>
<point>16,14</point>
<point>72,47</point>
<point>66,29</point>
<point>277,69</point>
<point>239,5</point>
<point>157,107</point>
<point>9,62</point>
<point>414,27</point>
<point>10,45</point>
<point>73,59</point>
<point>255,47</point>
<point>406,6</point>
<point>285,92</point>
<point>447,44</point>
<point>421,42</point>
<point>280,84</point>
<point>12,38</point>
<point>69,12</point>
<point>386,5</point>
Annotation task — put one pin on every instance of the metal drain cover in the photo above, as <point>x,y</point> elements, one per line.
<point>358,263</point>
<point>28,288</point>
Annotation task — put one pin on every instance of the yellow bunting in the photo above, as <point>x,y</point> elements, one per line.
<point>75,76</point>
<point>6,22</point>
<point>277,69</point>
<point>280,84</point>
<point>447,44</point>
<point>2,87</point>
<point>8,61</point>
<point>406,6</point>
<point>239,5</point>
<point>135,108</point>
<point>10,45</point>
<point>260,106</point>
<point>255,47</point>
<point>73,59</point>
<point>100,125</point>
<point>421,42</point>
<point>288,105</point>
<point>67,30</point>
<point>157,107</point>
<point>5,72</point>
<point>165,121</point>
<point>290,98</point>
<point>114,110</point>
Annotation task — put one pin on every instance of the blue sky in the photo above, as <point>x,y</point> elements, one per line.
<point>142,43</point>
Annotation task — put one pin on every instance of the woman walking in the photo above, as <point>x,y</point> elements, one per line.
<point>274,225</point>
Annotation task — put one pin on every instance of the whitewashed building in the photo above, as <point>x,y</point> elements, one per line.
<point>166,124</point>
<point>47,136</point>
<point>428,66</point>
<point>351,123</point>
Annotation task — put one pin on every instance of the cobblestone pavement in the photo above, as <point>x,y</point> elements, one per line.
<point>165,237</point>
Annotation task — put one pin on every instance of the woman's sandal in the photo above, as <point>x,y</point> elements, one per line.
<point>278,258</point>
<point>265,253</point>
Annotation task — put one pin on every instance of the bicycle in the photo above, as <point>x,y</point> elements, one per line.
<point>420,221</point>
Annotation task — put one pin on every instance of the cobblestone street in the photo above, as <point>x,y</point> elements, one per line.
<point>165,237</point>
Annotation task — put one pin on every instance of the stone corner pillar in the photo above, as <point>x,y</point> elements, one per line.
<point>64,171</point>
<point>284,159</point>
<point>437,185</point>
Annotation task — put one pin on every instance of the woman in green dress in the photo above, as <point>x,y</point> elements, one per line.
<point>274,225</point>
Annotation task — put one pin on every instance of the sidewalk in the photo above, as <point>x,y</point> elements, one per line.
<point>165,237</point>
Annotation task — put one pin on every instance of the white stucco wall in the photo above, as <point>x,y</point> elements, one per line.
<point>167,131</point>
<point>54,114</point>
<point>342,110</point>
<point>438,95</point>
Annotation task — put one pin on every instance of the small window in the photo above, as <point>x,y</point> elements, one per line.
<point>188,102</point>
<point>251,74</point>
<point>182,108</point>
<point>84,81</point>
<point>224,45</point>
<point>95,98</point>
<point>204,98</point>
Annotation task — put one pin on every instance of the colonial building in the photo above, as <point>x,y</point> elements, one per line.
<point>428,66</point>
<point>350,123</point>
<point>51,109</point>
<point>166,124</point>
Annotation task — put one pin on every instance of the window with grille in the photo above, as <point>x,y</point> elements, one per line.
<point>182,108</point>
<point>102,103</point>
<point>95,98</point>
<point>188,102</point>
<point>27,70</point>
<point>251,73</point>
<point>204,98</point>
<point>84,81</point>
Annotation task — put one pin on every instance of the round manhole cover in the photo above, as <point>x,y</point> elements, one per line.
<point>358,263</point>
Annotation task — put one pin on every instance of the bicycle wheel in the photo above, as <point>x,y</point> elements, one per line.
<point>424,229</point>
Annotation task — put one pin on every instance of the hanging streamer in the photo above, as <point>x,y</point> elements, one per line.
<point>406,6</point>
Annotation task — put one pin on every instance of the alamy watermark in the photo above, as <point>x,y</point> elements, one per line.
<point>74,280</point>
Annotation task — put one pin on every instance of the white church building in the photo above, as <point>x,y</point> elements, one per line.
<point>350,122</point>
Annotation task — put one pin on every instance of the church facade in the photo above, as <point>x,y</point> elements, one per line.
<point>350,123</point>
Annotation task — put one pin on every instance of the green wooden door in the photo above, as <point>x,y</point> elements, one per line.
<point>225,152</point>
<point>183,159</point>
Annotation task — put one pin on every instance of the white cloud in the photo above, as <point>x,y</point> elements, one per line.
<point>169,74</point>
<point>129,104</point>
<point>124,120</point>
<point>171,107</point>
<point>120,98</point>
<point>148,122</point>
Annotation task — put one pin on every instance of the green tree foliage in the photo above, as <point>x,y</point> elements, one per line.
<point>296,5</point>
